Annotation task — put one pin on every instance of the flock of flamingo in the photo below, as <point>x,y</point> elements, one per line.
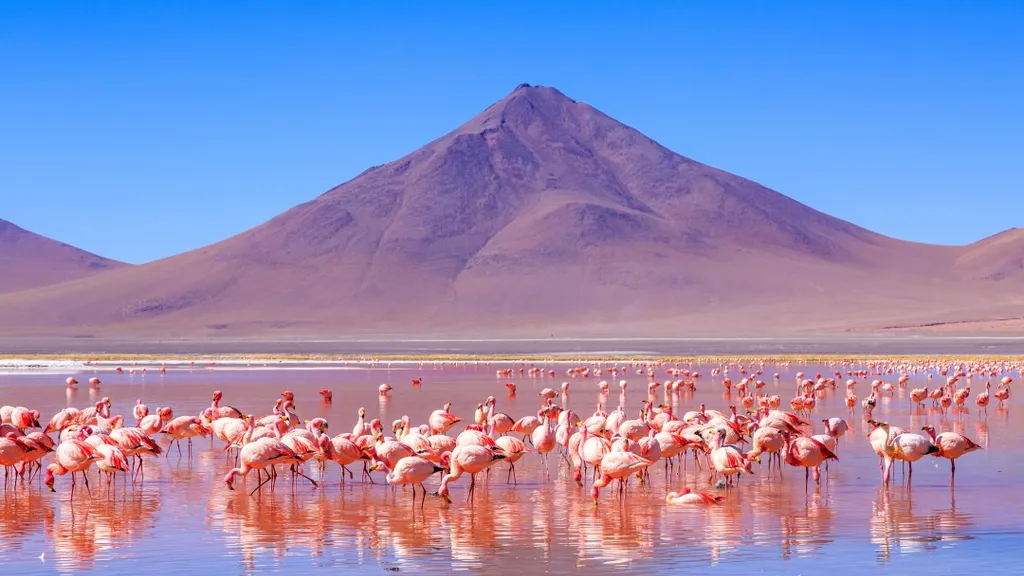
<point>599,448</point>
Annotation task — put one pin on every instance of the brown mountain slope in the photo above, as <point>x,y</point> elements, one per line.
<point>28,260</point>
<point>541,214</point>
<point>995,258</point>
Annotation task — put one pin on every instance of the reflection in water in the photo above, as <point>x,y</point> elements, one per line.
<point>88,528</point>
<point>539,525</point>
<point>896,528</point>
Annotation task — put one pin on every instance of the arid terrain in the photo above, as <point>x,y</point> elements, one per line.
<point>541,217</point>
<point>29,261</point>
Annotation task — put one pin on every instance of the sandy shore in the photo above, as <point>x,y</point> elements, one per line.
<point>844,346</point>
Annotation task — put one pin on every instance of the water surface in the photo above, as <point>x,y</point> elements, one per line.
<point>183,519</point>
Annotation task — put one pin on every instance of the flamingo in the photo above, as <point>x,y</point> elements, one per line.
<point>140,411</point>
<point>543,438</point>
<point>514,449</point>
<point>727,459</point>
<point>72,456</point>
<point>907,447</point>
<point>982,398</point>
<point>1002,394</point>
<point>362,428</point>
<point>258,456</point>
<point>441,421</point>
<point>688,498</point>
<point>413,470</point>
<point>12,451</point>
<point>185,427</point>
<point>219,411</point>
<point>807,453</point>
<point>617,465</point>
<point>135,442</point>
<point>951,446</point>
<point>470,459</point>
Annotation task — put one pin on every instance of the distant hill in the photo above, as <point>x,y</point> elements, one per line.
<point>28,260</point>
<point>539,216</point>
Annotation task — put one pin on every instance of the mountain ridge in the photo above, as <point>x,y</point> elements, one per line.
<point>29,260</point>
<point>539,211</point>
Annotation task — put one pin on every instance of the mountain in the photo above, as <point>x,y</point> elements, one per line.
<point>28,260</point>
<point>539,216</point>
<point>995,258</point>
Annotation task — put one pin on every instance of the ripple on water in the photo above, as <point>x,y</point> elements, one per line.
<point>183,516</point>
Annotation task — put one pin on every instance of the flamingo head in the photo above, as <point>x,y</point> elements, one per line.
<point>324,443</point>
<point>288,395</point>
<point>49,480</point>
<point>217,395</point>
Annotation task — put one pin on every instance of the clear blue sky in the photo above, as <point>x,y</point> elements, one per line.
<point>141,129</point>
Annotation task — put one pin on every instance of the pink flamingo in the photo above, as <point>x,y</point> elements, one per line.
<point>71,456</point>
<point>12,451</point>
<point>982,398</point>
<point>134,442</point>
<point>223,411</point>
<point>543,439</point>
<point>140,411</point>
<point>185,428</point>
<point>441,421</point>
<point>686,497</point>
<point>470,459</point>
<point>807,453</point>
<point>153,423</point>
<point>413,470</point>
<point>514,449</point>
<point>617,466</point>
<point>258,455</point>
<point>951,446</point>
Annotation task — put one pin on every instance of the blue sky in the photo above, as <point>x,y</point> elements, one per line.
<point>138,130</point>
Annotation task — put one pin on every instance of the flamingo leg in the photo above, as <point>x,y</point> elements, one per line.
<point>260,485</point>
<point>298,471</point>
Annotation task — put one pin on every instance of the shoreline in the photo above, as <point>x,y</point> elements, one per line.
<point>825,347</point>
<point>341,362</point>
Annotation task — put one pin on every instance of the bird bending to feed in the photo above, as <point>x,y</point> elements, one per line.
<point>951,446</point>
<point>687,498</point>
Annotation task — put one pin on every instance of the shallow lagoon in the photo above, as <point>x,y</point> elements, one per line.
<point>183,518</point>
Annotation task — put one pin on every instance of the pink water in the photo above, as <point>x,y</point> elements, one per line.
<point>183,519</point>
